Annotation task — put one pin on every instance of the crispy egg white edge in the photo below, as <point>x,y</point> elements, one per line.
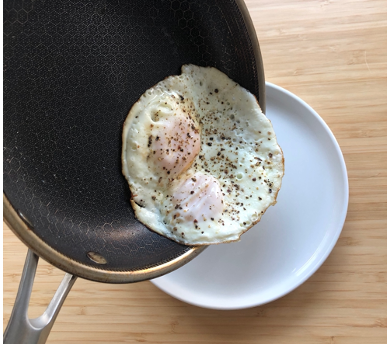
<point>148,218</point>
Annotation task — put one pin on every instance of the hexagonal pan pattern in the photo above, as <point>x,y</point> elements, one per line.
<point>72,71</point>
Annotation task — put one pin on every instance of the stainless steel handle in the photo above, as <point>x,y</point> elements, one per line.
<point>21,329</point>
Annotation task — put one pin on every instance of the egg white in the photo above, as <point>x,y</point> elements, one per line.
<point>226,187</point>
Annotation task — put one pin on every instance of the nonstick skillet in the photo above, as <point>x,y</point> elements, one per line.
<point>72,70</point>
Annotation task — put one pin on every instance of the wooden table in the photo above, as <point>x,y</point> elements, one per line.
<point>332,54</point>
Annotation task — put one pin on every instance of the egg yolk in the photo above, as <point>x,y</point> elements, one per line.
<point>175,142</point>
<point>198,198</point>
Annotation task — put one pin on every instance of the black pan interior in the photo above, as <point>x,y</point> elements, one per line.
<point>72,70</point>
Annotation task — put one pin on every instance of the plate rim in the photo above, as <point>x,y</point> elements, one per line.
<point>328,249</point>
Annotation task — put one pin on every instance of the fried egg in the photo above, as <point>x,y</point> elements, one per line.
<point>201,159</point>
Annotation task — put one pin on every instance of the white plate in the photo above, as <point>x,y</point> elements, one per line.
<point>294,237</point>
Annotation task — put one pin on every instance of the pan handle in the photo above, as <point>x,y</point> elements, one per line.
<point>21,329</point>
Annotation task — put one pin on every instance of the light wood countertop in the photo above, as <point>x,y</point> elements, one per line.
<point>332,54</point>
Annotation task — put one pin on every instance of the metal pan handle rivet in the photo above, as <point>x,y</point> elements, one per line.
<point>97,258</point>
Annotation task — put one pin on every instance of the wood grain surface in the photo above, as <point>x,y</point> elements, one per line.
<point>332,54</point>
